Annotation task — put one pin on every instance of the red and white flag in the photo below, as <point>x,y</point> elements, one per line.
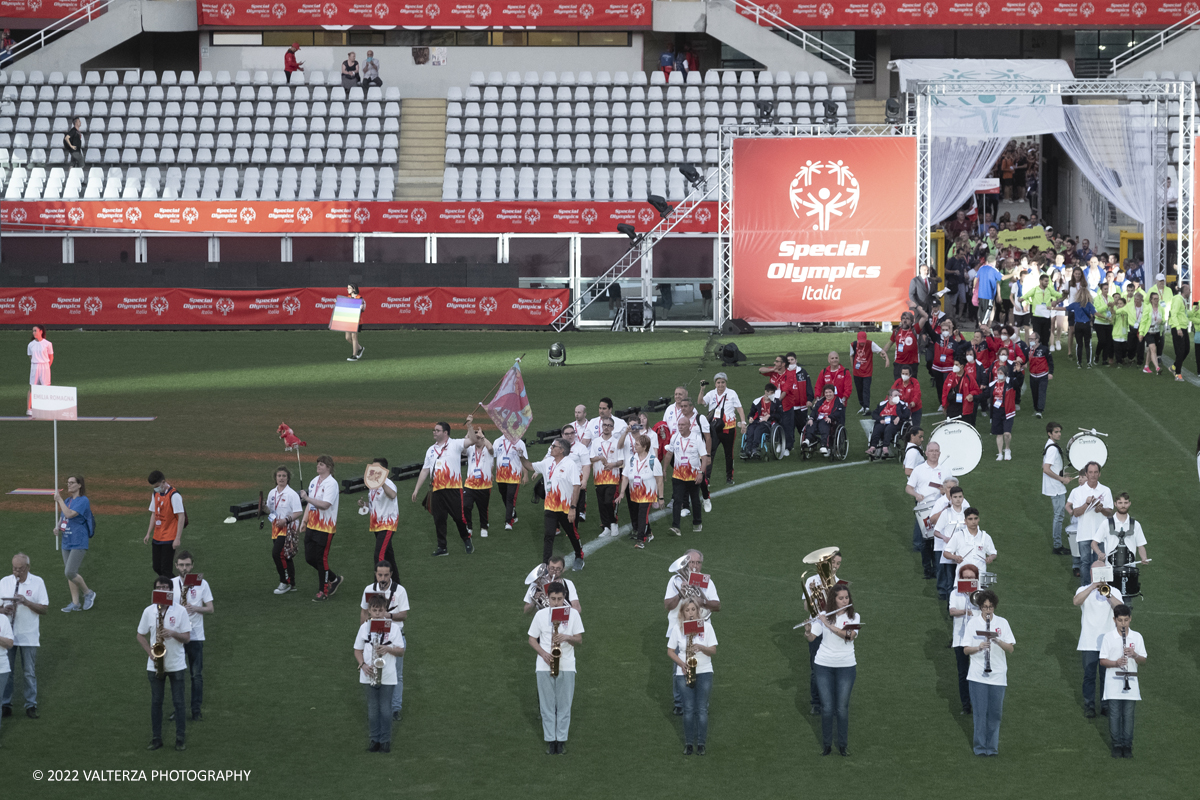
<point>509,409</point>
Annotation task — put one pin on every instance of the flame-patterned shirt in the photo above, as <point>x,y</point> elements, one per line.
<point>480,463</point>
<point>280,506</point>
<point>687,456</point>
<point>444,462</point>
<point>508,459</point>
<point>605,450</point>
<point>561,479</point>
<point>385,511</point>
<point>325,490</point>
<point>643,474</point>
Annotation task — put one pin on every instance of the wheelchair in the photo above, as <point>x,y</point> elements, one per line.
<point>896,445</point>
<point>769,446</point>
<point>839,445</point>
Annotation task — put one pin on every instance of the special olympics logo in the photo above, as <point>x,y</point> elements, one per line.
<point>554,306</point>
<point>75,215</point>
<point>930,9</point>
<point>1191,8</point>
<point>227,10</point>
<point>637,9</point>
<point>826,10</point>
<point>475,215</point>
<point>878,9</point>
<point>247,215</point>
<point>487,305</point>
<point>775,9</point>
<point>279,10</point>
<point>18,215</point>
<point>224,305</point>
<point>1034,9</point>
<point>835,189</point>
<point>418,215</point>
<point>361,215</point>
<point>1087,9</point>
<point>532,215</point>
<point>381,10</point>
<point>982,9</point>
<point>35,5</point>
<point>27,304</point>
<point>423,303</point>
<point>190,215</point>
<point>133,215</point>
<point>586,11</point>
<point>291,304</point>
<point>589,216</point>
<point>703,215</point>
<point>159,305</point>
<point>535,11</point>
<point>92,305</point>
<point>483,10</point>
<point>304,215</point>
<point>1139,9</point>
<point>645,215</point>
<point>329,9</point>
<point>432,10</point>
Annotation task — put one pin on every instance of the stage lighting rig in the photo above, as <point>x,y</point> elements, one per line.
<point>660,205</point>
<point>691,175</point>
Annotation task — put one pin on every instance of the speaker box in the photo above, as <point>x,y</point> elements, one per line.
<point>635,313</point>
<point>735,327</point>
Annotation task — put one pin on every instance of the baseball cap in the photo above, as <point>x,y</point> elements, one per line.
<point>720,376</point>
<point>1160,277</point>
<point>862,336</point>
<point>296,45</point>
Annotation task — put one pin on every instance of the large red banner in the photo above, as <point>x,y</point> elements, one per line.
<point>304,306</point>
<point>195,216</point>
<point>980,13</point>
<point>545,14</point>
<point>824,229</point>
<point>40,9</point>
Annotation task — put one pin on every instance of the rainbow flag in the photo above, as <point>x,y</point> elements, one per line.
<point>346,314</point>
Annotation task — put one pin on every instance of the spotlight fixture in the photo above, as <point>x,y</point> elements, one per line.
<point>891,111</point>
<point>831,112</point>
<point>557,355</point>
<point>691,174</point>
<point>628,230</point>
<point>660,205</point>
<point>766,110</point>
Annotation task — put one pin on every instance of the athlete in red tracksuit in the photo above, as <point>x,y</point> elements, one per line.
<point>862,355</point>
<point>910,392</point>
<point>1002,396</point>
<point>960,392</point>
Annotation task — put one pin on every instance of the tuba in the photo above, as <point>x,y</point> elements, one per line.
<point>686,590</point>
<point>158,651</point>
<point>539,577</point>
<point>823,561</point>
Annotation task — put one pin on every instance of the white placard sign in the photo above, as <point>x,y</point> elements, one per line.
<point>54,402</point>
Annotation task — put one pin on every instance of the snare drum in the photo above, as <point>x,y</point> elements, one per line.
<point>960,444</point>
<point>1085,447</point>
<point>1128,580</point>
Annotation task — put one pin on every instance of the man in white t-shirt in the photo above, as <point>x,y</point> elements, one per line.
<point>709,600</point>
<point>1122,653</point>
<point>971,544</point>
<point>41,356</point>
<point>443,466</point>
<point>383,506</point>
<point>397,611</point>
<point>1097,620</point>
<point>592,430</point>
<point>726,407</point>
<point>563,477</point>
<point>554,570</point>
<point>605,460</point>
<point>319,525</point>
<point>1122,530</point>
<point>177,628</point>
<point>948,516</point>
<point>1054,483</point>
<point>197,601</point>
<point>687,458</point>
<point>1092,504</point>
<point>27,593</point>
<point>925,487</point>
<point>555,692</point>
<point>575,437</point>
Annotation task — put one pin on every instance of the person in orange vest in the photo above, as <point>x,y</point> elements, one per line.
<point>167,521</point>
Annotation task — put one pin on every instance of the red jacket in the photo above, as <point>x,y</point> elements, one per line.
<point>943,354</point>
<point>289,62</point>
<point>910,393</point>
<point>1000,389</point>
<point>839,379</point>
<point>963,383</point>
<point>907,349</point>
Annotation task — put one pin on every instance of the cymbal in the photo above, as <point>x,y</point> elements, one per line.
<point>817,556</point>
<point>375,475</point>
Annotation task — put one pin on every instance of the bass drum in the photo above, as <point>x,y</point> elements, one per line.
<point>960,444</point>
<point>1084,448</point>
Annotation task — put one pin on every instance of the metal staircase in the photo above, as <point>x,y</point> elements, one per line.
<point>1156,42</point>
<point>80,16</point>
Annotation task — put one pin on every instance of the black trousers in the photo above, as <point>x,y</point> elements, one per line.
<point>161,556</point>
<point>1018,384</point>
<point>606,499</point>
<point>724,438</point>
<point>448,504</point>
<point>1083,341</point>
<point>1104,343</point>
<point>508,495</point>
<point>884,434</point>
<point>640,514</point>
<point>939,380</point>
<point>680,490</point>
<point>552,521</point>
<point>1038,387</point>
<point>1041,326</point>
<point>1182,347</point>
<point>928,558</point>
<point>862,390</point>
<point>476,497</point>
<point>813,647</point>
<point>384,552</point>
<point>284,566</point>
<point>316,553</point>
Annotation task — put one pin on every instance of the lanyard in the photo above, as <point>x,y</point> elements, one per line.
<point>479,451</point>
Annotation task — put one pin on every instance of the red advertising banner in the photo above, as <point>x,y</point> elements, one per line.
<point>40,9</point>
<point>196,216</point>
<point>303,306</point>
<point>981,13</point>
<point>824,229</point>
<point>545,14</point>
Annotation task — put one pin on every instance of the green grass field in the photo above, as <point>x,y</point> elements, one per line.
<point>282,697</point>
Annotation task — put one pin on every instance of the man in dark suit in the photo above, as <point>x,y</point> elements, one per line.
<point>921,290</point>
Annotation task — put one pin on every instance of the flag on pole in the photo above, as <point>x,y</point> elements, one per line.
<point>509,409</point>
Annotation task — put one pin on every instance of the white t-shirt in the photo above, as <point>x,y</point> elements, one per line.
<point>1111,540</point>
<point>176,503</point>
<point>939,505</point>
<point>398,603</point>
<point>923,480</point>
<point>592,432</point>
<point>999,674</point>
<point>579,453</point>
<point>834,650</point>
<point>26,625</point>
<point>912,456</point>
<point>974,549</point>
<point>543,629</point>
<point>677,641</point>
<point>508,457</point>
<point>728,401</point>
<point>444,462</point>
<point>949,523</point>
<point>561,480</point>
<point>365,640</point>
<point>1053,457</point>
<point>572,594</point>
<point>280,506</point>
<point>673,585</point>
<point>671,417</point>
<point>630,448</point>
<point>40,352</point>
<point>687,456</point>
<point>480,467</point>
<point>177,620</point>
<point>643,475</point>
<point>327,492</point>
<point>964,634</point>
<point>6,632</point>
<point>196,596</point>
<point>1091,523</point>
<point>1111,650</point>
<point>607,450</point>
<point>385,511</point>
<point>1097,618</point>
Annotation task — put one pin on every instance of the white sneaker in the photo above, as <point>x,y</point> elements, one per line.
<point>941,408</point>
<point>615,530</point>
<point>786,453</point>
<point>508,526</point>
<point>999,456</point>
<point>1018,408</point>
<point>583,516</point>
<point>483,532</point>
<point>824,451</point>
<point>687,512</point>
<point>283,588</point>
<point>1008,455</point>
<point>707,505</point>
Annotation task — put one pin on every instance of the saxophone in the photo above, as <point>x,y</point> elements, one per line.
<point>158,651</point>
<point>690,652</point>
<point>377,662</point>
<point>555,652</point>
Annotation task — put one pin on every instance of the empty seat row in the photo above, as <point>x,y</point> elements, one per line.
<point>633,110</point>
<point>711,78</point>
<point>509,96</point>
<point>148,78</point>
<point>178,94</point>
<point>507,184</point>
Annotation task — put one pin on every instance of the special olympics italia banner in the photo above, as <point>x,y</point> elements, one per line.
<point>40,9</point>
<point>306,306</point>
<point>981,13</point>
<point>824,229</point>
<point>383,15</point>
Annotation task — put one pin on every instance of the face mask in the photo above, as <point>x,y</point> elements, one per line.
<point>1004,337</point>
<point>970,359</point>
<point>1003,358</point>
<point>904,378</point>
<point>957,369</point>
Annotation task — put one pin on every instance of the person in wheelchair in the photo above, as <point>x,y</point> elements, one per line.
<point>889,416</point>
<point>763,412</point>
<point>827,416</point>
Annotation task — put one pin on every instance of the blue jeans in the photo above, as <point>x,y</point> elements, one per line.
<point>379,712</point>
<point>28,658</point>
<point>945,579</point>
<point>398,695</point>
<point>813,647</point>
<point>1086,557</point>
<point>834,685</point>
<point>1120,722</point>
<point>918,538</point>
<point>195,662</point>
<point>695,707</point>
<point>1059,504</point>
<point>1091,662</point>
<point>157,691</point>
<point>987,706</point>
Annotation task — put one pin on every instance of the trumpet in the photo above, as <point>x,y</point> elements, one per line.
<point>555,652</point>
<point>1105,590</point>
<point>158,651</point>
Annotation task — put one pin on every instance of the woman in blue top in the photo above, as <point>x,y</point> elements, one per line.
<point>77,526</point>
<point>1082,312</point>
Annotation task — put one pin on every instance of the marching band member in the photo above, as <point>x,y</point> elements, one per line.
<point>196,601</point>
<point>384,508</point>
<point>1122,651</point>
<point>835,665</point>
<point>554,571</point>
<point>41,358</point>
<point>1091,502</point>
<point>965,614</point>
<point>555,693</point>
<point>397,611</point>
<point>510,474</point>
<point>1055,482</point>
<point>77,525</point>
<point>167,521</point>
<point>23,597</point>
<point>889,416</point>
<point>687,459</point>
<point>443,465</point>
<point>925,486</point>
<point>605,459</point>
<point>319,525</point>
<point>862,356</point>
<point>708,600</point>
<point>1096,608</point>
<point>477,489</point>
<point>971,544</point>
<point>815,585</point>
<point>1003,395</point>
<point>389,647</point>
<point>642,478</point>
<point>910,391</point>
<point>726,407</point>
<point>1121,523</point>
<point>695,698</point>
<point>948,516</point>
<point>988,674</point>
<point>284,511</point>
<point>176,631</point>
<point>914,456</point>
<point>563,479</point>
